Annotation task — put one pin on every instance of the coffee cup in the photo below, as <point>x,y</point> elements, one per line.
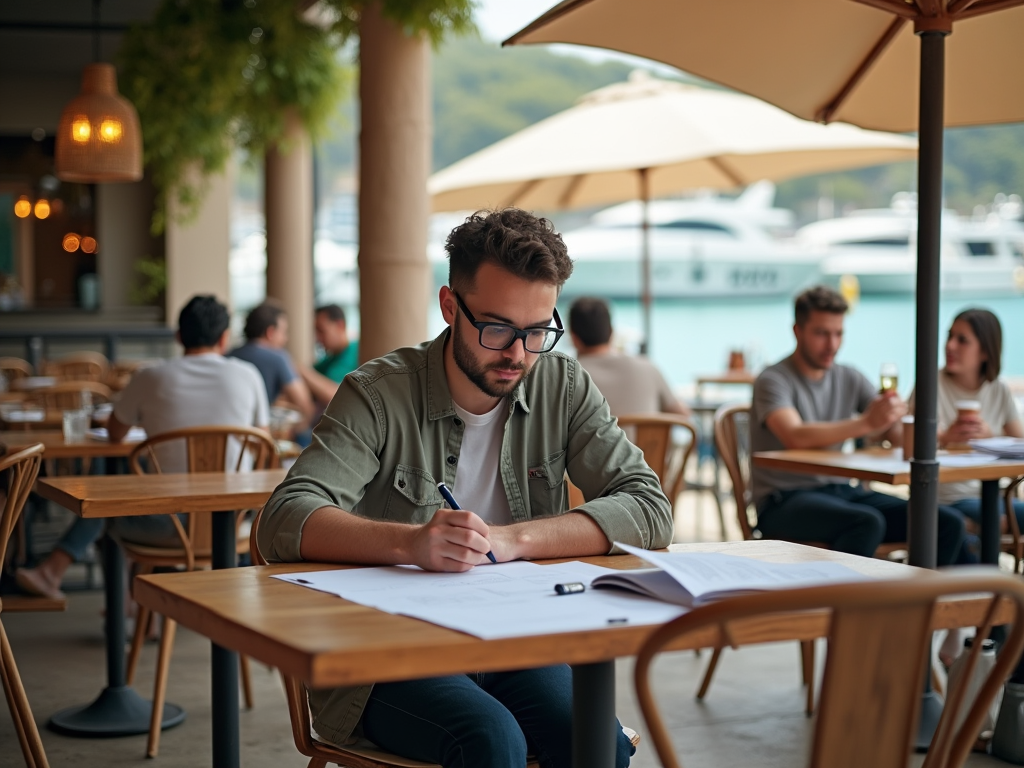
<point>967,409</point>
<point>908,438</point>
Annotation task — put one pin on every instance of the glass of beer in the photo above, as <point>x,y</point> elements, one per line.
<point>889,376</point>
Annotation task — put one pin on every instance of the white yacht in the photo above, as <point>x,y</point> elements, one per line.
<point>981,254</point>
<point>704,247</point>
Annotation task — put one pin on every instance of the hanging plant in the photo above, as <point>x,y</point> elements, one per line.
<point>209,76</point>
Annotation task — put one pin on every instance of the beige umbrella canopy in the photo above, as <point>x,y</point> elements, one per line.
<point>687,137</point>
<point>854,61</point>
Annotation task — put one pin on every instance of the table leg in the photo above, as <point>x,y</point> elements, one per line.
<point>990,522</point>
<point>224,662</point>
<point>119,710</point>
<point>593,715</point>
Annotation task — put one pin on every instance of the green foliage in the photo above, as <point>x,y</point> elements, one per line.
<point>151,285</point>
<point>210,75</point>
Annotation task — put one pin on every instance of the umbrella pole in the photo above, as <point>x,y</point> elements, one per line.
<point>645,259</point>
<point>924,469</point>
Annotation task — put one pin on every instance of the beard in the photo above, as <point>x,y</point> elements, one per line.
<point>476,372</point>
<point>813,363</point>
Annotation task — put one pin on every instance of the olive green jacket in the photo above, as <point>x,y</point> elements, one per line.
<point>391,434</point>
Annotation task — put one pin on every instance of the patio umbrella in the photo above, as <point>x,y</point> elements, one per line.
<point>851,60</point>
<point>648,138</point>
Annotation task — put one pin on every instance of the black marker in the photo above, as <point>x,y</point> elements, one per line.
<point>572,588</point>
<point>447,496</point>
<point>618,621</point>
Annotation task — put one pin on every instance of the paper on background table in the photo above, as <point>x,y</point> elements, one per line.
<point>706,575</point>
<point>491,601</point>
<point>135,434</point>
<point>965,459</point>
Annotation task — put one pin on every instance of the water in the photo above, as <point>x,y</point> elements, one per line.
<point>690,338</point>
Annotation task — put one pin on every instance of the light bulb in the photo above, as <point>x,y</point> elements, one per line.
<point>22,208</point>
<point>71,242</point>
<point>42,209</point>
<point>81,130</point>
<point>110,131</point>
<point>88,245</point>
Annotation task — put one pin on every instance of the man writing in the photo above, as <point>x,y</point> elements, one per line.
<point>488,409</point>
<point>809,401</point>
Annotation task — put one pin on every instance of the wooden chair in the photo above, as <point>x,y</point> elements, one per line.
<point>14,368</point>
<point>652,433</point>
<point>78,366</point>
<point>69,395</point>
<point>879,642</point>
<point>363,754</point>
<point>205,450</point>
<point>1011,541</point>
<point>732,440</point>
<point>21,469</point>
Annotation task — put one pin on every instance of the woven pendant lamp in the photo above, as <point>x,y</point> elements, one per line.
<point>99,138</point>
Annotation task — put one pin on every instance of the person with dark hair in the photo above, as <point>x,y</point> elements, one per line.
<point>266,333</point>
<point>201,388</point>
<point>341,354</point>
<point>492,411</point>
<point>631,384</point>
<point>809,401</point>
<point>974,349</point>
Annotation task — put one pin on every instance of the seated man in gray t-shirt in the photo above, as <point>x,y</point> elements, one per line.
<point>808,401</point>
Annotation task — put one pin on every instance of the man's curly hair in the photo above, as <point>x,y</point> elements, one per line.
<point>524,244</point>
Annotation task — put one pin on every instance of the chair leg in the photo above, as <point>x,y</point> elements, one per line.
<point>142,617</point>
<point>243,667</point>
<point>807,667</point>
<point>316,762</point>
<point>706,682</point>
<point>21,712</point>
<point>163,663</point>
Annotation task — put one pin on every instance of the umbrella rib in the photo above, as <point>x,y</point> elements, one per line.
<point>981,7</point>
<point>722,167</point>
<point>901,9</point>
<point>956,6</point>
<point>826,113</point>
<point>561,9</point>
<point>565,199</point>
<point>521,191</point>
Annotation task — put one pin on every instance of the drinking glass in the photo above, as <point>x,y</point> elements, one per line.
<point>75,423</point>
<point>889,375</point>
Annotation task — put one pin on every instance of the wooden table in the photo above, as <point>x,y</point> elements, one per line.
<point>888,466</point>
<point>119,710</point>
<point>52,418</point>
<point>727,377</point>
<point>56,447</point>
<point>326,641</point>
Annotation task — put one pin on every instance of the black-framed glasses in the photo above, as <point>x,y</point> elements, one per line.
<point>503,336</point>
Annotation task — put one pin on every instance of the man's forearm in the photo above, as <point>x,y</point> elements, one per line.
<point>332,535</point>
<point>570,535</point>
<point>826,433</point>
<point>322,388</point>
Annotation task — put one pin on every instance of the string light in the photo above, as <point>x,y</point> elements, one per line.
<point>71,242</point>
<point>23,207</point>
<point>88,245</point>
<point>42,209</point>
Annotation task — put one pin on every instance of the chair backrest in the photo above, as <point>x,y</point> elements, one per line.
<point>15,368</point>
<point>879,643</point>
<point>79,366</point>
<point>732,441</point>
<point>652,434</point>
<point>18,473</point>
<point>68,394</point>
<point>206,450</point>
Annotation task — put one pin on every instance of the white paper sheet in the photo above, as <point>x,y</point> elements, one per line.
<point>965,459</point>
<point>135,434</point>
<point>492,601</point>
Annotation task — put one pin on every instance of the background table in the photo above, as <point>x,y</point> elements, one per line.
<point>887,466</point>
<point>119,710</point>
<point>326,641</point>
<point>56,447</point>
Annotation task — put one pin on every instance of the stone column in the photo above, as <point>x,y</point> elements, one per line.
<point>199,249</point>
<point>123,216</point>
<point>288,205</point>
<point>394,162</point>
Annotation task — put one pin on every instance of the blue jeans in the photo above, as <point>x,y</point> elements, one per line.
<point>850,519</point>
<point>972,508</point>
<point>492,719</point>
<point>150,530</point>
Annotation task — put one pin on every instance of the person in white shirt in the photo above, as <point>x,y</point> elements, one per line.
<point>201,388</point>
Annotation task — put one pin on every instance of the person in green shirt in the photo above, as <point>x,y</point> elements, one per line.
<point>341,355</point>
<point>489,409</point>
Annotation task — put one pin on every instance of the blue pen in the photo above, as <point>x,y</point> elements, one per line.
<point>447,496</point>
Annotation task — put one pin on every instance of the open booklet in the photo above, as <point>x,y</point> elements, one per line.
<point>694,578</point>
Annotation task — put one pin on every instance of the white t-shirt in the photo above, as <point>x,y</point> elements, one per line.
<point>478,485</point>
<point>997,410</point>
<point>194,391</point>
